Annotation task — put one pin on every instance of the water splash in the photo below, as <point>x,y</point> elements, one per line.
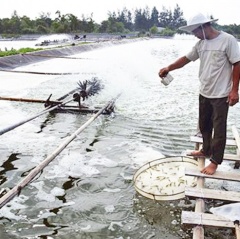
<point>54,39</point>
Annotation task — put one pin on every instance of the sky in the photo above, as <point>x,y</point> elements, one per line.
<point>227,11</point>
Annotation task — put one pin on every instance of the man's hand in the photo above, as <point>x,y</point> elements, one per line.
<point>233,98</point>
<point>163,72</point>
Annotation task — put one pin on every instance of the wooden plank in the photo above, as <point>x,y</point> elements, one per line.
<point>198,231</point>
<point>236,136</point>
<point>231,176</point>
<point>205,219</point>
<point>29,100</point>
<point>197,139</point>
<point>230,157</point>
<point>212,194</point>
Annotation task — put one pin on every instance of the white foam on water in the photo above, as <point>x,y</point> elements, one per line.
<point>43,214</point>
<point>54,38</point>
<point>20,82</point>
<point>74,165</point>
<point>17,203</point>
<point>112,190</point>
<point>185,37</point>
<point>11,116</point>
<point>101,160</point>
<point>140,154</point>
<point>41,194</point>
<point>114,225</point>
<point>58,191</point>
<point>89,226</point>
<point>19,135</point>
<point>109,208</point>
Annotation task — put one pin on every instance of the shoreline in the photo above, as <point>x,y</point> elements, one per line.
<point>11,62</point>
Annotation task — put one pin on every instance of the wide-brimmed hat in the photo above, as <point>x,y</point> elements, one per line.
<point>196,21</point>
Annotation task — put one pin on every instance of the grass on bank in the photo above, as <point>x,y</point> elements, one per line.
<point>28,49</point>
<point>20,51</point>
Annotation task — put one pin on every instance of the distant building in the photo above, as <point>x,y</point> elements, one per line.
<point>160,29</point>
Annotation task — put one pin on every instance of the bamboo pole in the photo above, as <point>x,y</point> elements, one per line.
<point>50,108</point>
<point>58,101</point>
<point>66,95</point>
<point>237,229</point>
<point>237,139</point>
<point>32,174</point>
<point>28,100</point>
<point>198,231</point>
<point>236,136</point>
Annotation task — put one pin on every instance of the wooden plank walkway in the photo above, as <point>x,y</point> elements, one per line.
<point>206,219</point>
<point>197,139</point>
<point>212,194</point>
<point>231,176</point>
<point>229,157</point>
<point>199,219</point>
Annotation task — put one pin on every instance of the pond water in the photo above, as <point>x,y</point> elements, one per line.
<point>87,191</point>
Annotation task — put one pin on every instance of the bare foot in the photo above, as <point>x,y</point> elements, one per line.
<point>197,153</point>
<point>210,169</point>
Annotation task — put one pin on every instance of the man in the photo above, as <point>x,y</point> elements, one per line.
<point>219,74</point>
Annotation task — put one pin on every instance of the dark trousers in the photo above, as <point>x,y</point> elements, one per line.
<point>213,126</point>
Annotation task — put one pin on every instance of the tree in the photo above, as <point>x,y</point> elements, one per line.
<point>91,26</point>
<point>154,17</point>
<point>177,18</point>
<point>129,24</point>
<point>165,18</point>
<point>6,26</point>
<point>45,18</point>
<point>141,19</point>
<point>15,23</point>
<point>73,22</point>
<point>124,17</point>
<point>43,23</point>
<point>103,26</point>
<point>153,30</point>
<point>42,29</point>
<point>61,24</point>
<point>87,24</point>
<point>1,26</point>
<point>115,26</point>
<point>27,26</point>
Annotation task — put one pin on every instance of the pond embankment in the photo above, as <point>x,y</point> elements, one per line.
<point>11,62</point>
